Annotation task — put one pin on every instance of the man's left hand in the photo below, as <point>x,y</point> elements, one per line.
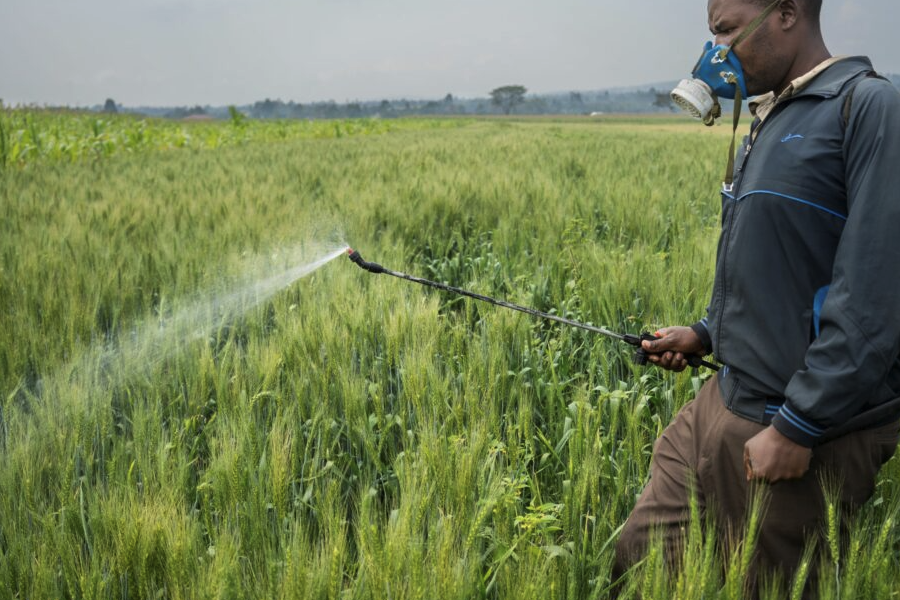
<point>772,457</point>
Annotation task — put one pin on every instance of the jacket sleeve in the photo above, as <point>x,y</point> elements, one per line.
<point>859,341</point>
<point>701,329</point>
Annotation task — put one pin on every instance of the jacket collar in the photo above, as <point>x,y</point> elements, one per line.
<point>825,81</point>
<point>831,81</point>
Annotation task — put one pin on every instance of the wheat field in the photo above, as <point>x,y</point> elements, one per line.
<point>180,419</point>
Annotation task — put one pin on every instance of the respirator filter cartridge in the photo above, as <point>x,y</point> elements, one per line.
<point>696,98</point>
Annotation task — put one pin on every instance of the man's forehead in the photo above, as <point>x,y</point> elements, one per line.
<point>715,6</point>
<point>716,9</point>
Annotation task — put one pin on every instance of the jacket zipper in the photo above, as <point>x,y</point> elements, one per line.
<point>736,194</point>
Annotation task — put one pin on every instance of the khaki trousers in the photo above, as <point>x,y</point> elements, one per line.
<point>703,449</point>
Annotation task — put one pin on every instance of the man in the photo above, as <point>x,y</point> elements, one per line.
<point>805,308</point>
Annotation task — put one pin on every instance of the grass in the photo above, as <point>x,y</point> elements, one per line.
<point>356,436</point>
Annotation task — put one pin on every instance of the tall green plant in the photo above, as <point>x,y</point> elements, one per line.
<point>4,141</point>
<point>238,119</point>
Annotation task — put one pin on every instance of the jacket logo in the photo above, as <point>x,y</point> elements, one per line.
<point>791,136</point>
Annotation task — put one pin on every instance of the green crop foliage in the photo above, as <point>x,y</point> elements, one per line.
<point>353,435</point>
<point>32,136</point>
<point>3,139</point>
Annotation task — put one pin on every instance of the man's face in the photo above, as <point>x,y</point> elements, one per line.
<point>763,62</point>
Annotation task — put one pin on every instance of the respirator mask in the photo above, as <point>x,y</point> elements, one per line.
<point>718,74</point>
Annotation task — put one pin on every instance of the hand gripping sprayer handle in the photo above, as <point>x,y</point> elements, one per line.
<point>641,356</point>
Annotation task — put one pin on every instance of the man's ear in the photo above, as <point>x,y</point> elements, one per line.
<point>788,14</point>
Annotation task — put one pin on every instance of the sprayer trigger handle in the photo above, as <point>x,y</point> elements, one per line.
<point>640,355</point>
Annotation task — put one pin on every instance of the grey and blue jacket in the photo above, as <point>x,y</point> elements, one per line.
<point>805,308</point>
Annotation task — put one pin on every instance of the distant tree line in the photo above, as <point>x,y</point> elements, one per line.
<point>508,99</point>
<point>504,100</point>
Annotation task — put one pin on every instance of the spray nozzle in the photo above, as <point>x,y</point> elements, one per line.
<point>368,266</point>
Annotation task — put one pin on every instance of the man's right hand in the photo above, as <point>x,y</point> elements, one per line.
<point>674,344</point>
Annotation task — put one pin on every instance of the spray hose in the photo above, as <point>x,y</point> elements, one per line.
<point>640,355</point>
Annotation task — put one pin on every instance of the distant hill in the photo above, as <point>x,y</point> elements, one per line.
<point>646,99</point>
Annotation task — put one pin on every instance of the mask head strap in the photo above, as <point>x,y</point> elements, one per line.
<point>755,23</point>
<point>738,100</point>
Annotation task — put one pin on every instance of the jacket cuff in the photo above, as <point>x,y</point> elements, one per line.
<point>702,331</point>
<point>793,426</point>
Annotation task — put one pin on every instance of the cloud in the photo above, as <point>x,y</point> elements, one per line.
<point>850,11</point>
<point>234,51</point>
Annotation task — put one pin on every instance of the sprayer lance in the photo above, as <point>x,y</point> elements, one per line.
<point>640,355</point>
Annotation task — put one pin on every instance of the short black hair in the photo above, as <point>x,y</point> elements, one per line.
<point>812,8</point>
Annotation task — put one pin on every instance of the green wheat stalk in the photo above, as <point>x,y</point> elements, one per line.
<point>4,142</point>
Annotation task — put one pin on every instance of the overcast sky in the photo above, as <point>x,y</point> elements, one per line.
<point>187,52</point>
